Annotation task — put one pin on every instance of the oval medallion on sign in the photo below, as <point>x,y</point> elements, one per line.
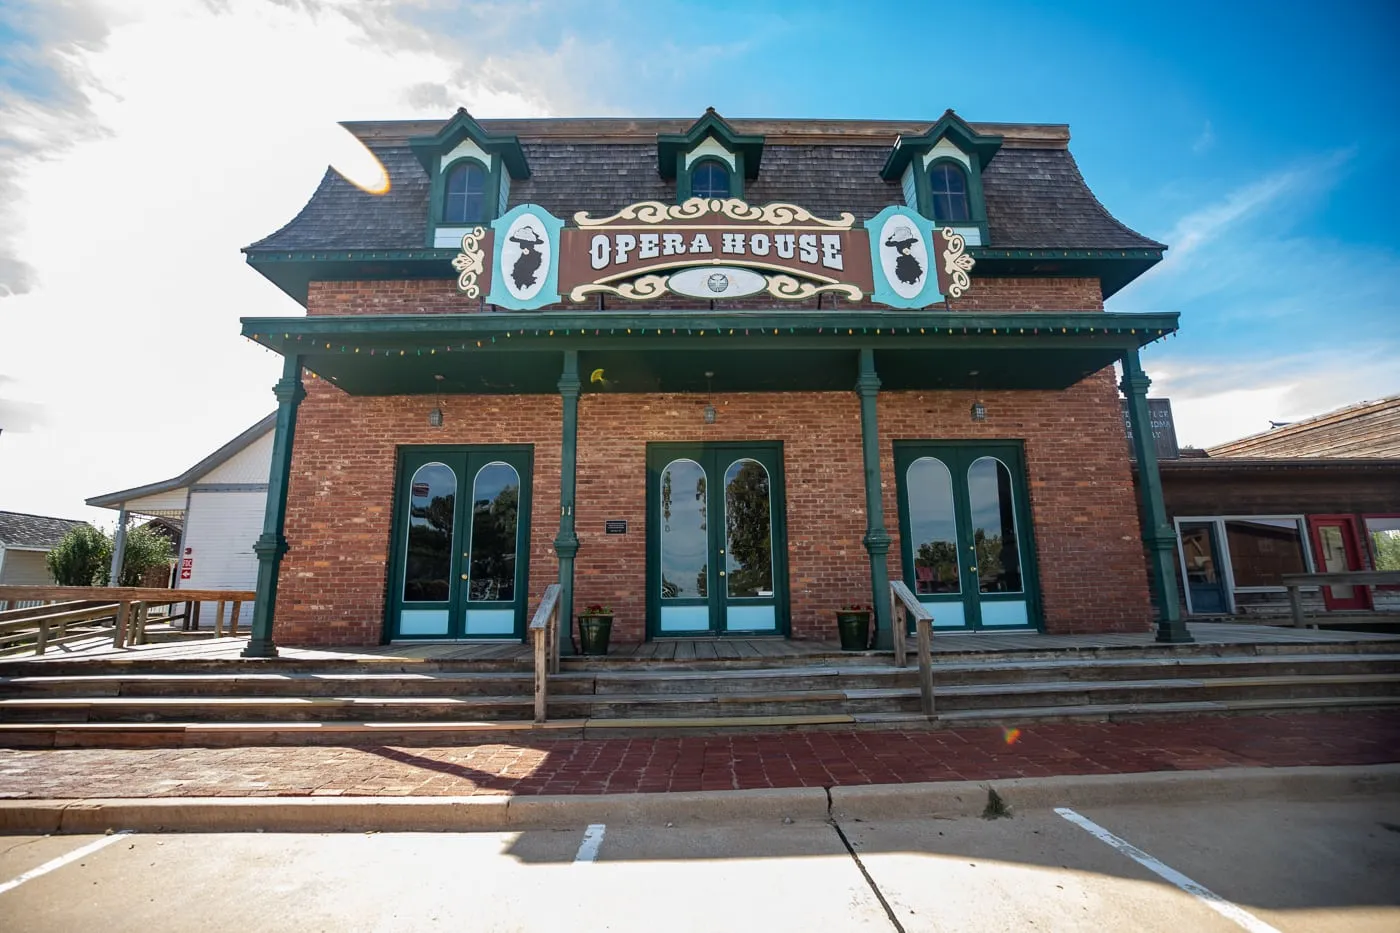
<point>525,257</point>
<point>716,282</point>
<point>903,256</point>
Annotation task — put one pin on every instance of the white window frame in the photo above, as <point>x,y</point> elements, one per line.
<point>1227,566</point>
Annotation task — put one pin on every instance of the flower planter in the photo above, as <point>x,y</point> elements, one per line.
<point>854,628</point>
<point>593,634</point>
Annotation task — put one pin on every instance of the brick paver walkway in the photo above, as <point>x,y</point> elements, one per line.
<point>642,765</point>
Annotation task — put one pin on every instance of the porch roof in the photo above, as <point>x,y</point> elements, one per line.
<point>668,351</point>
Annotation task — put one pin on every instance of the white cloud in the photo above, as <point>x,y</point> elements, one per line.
<point>184,131</point>
<point>1206,141</point>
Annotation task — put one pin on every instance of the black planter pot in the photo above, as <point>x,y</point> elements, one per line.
<point>854,628</point>
<point>593,634</point>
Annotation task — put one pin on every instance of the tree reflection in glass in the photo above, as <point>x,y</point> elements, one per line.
<point>684,535</point>
<point>994,526</point>
<point>495,513</point>
<point>749,529</point>
<point>431,504</point>
<point>933,529</point>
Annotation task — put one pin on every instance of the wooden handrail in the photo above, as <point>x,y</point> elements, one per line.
<point>148,594</point>
<point>544,638</point>
<point>903,606</point>
<point>1294,582</point>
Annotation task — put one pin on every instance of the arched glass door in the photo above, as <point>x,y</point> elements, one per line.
<point>715,539</point>
<point>461,543</point>
<point>963,512</point>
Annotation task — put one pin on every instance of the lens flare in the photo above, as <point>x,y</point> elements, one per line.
<point>356,163</point>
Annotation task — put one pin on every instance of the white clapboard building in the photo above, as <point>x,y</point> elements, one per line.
<point>220,503</point>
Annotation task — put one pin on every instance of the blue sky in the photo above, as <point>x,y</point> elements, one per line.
<point>1258,140</point>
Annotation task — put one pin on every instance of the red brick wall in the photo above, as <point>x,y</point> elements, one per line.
<point>440,296</point>
<point>1092,572</point>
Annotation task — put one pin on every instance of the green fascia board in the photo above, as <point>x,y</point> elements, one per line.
<point>463,126</point>
<point>589,328</point>
<point>669,146</point>
<point>951,126</point>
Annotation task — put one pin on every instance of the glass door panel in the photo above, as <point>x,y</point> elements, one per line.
<point>428,548</point>
<point>748,549</point>
<point>933,539</point>
<point>685,547</point>
<point>992,505</point>
<point>1336,544</point>
<point>460,561</point>
<point>490,556</point>
<point>961,510</point>
<point>1200,555</point>
<point>717,562</point>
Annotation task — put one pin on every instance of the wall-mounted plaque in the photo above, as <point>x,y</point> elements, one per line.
<point>615,527</point>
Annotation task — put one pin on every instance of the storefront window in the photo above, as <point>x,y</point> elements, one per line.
<point>1264,549</point>
<point>431,504</point>
<point>1385,542</point>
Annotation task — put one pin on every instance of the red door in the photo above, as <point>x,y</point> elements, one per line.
<point>1335,544</point>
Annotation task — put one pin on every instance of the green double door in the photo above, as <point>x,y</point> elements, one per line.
<point>965,531</point>
<point>716,539</point>
<point>459,567</point>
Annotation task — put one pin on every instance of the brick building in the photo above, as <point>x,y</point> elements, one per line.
<point>721,377</point>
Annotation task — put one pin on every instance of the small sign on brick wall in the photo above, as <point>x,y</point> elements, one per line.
<point>1159,410</point>
<point>615,527</point>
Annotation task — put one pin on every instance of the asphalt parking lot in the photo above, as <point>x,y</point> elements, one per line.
<point>1283,865</point>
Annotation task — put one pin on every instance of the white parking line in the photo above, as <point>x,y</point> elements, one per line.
<point>592,839</point>
<point>62,860</point>
<point>1200,892</point>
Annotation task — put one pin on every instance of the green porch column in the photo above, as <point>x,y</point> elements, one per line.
<point>876,540</point>
<point>271,544</point>
<point>1156,533</point>
<point>566,541</point>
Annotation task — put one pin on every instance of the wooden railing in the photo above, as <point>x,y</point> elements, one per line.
<point>544,637</point>
<point>72,613</point>
<point>904,606</point>
<point>1340,578</point>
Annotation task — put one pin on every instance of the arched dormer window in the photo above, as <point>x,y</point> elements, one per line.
<point>948,188</point>
<point>709,178</point>
<point>466,194</point>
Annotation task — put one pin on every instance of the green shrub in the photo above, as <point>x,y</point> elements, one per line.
<point>82,558</point>
<point>145,548</point>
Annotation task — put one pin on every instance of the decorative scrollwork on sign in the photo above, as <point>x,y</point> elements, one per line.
<point>790,289</point>
<point>956,263</point>
<point>648,286</point>
<point>470,262</point>
<point>656,212</point>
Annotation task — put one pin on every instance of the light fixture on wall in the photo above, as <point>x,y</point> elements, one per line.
<point>435,416</point>
<point>979,411</point>
<point>709,406</point>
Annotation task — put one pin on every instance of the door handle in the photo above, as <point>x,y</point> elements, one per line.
<point>464,576</point>
<point>973,568</point>
<point>721,573</point>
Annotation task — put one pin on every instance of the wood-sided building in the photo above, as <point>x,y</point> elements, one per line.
<point>722,377</point>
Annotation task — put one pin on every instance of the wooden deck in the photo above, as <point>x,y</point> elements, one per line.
<point>749,650</point>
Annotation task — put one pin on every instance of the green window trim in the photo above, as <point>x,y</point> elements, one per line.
<point>437,198</point>
<point>685,173</point>
<point>976,203</point>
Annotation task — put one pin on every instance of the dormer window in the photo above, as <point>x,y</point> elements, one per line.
<point>709,179</point>
<point>466,194</point>
<point>471,171</point>
<point>709,160</point>
<point>940,174</point>
<point>948,190</point>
